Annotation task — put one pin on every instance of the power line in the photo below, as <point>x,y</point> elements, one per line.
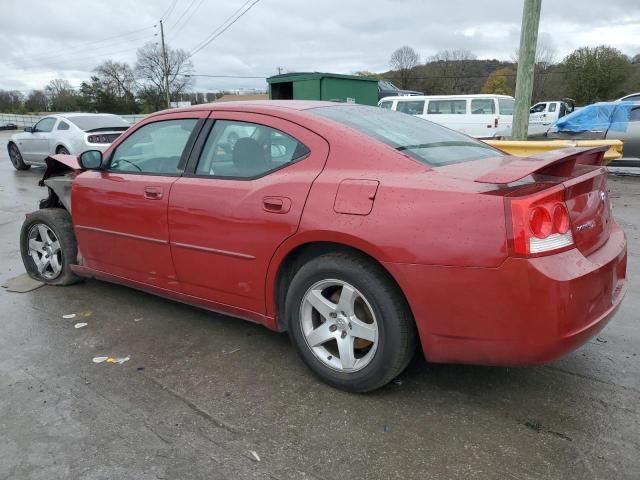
<point>83,47</point>
<point>222,28</point>
<point>169,11</point>
<point>184,12</point>
<point>223,76</point>
<point>186,21</point>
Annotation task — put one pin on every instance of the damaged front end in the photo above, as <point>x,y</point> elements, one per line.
<point>58,177</point>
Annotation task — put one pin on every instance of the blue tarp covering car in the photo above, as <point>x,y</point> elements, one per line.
<point>607,116</point>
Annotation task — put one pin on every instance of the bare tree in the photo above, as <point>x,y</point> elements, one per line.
<point>453,55</point>
<point>546,52</point>
<point>117,77</point>
<point>36,101</point>
<point>10,101</point>
<point>546,58</point>
<point>449,69</point>
<point>150,70</point>
<point>62,97</point>
<point>403,60</point>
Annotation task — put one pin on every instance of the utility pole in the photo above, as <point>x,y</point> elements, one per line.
<point>526,68</point>
<point>166,67</point>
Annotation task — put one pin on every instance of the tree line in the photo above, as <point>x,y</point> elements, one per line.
<point>587,75</point>
<point>114,87</point>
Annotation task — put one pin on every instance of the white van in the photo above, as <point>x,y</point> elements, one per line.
<point>545,113</point>
<point>480,116</point>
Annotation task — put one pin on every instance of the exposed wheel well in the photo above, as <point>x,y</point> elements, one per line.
<point>59,147</point>
<point>301,255</point>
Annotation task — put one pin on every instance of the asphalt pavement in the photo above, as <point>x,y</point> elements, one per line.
<point>205,396</point>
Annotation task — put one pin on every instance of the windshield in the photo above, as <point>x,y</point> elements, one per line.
<point>506,106</point>
<point>93,122</point>
<point>425,141</point>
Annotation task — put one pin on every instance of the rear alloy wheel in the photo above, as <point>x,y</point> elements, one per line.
<point>349,322</point>
<point>48,246</point>
<point>62,151</point>
<point>16,158</point>
<point>339,325</point>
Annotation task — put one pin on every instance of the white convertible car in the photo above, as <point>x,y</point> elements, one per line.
<point>68,133</point>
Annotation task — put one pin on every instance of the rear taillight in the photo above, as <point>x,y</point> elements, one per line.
<point>540,223</point>
<point>98,139</point>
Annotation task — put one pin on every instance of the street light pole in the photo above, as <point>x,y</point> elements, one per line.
<point>166,67</point>
<point>526,68</point>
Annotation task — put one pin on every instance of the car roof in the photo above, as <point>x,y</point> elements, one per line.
<point>252,105</point>
<point>256,106</point>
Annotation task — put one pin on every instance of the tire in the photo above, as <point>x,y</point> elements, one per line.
<point>62,150</point>
<point>16,157</point>
<point>48,246</point>
<point>363,313</point>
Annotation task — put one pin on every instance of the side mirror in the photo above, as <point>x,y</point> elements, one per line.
<point>90,160</point>
<point>28,129</point>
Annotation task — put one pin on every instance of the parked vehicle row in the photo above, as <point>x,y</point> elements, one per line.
<point>68,133</point>
<point>545,113</point>
<point>361,231</point>
<point>619,120</point>
<point>480,116</point>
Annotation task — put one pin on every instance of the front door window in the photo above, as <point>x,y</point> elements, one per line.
<point>155,148</point>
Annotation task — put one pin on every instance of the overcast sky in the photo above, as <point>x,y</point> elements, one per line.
<point>44,39</point>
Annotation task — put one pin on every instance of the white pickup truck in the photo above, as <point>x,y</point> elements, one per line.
<point>545,113</point>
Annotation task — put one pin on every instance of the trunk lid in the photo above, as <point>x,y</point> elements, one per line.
<point>587,200</point>
<point>583,177</point>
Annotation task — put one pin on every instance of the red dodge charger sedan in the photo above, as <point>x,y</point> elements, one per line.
<point>361,232</point>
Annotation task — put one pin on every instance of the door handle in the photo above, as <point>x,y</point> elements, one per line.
<point>153,193</point>
<point>276,204</point>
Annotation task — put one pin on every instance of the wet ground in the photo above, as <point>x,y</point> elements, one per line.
<point>209,397</point>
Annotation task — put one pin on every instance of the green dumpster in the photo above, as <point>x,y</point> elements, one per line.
<point>323,86</point>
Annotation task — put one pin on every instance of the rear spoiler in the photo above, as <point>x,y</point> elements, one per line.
<point>557,163</point>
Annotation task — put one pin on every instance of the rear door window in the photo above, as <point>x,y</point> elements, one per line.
<point>244,150</point>
<point>552,107</point>
<point>483,106</point>
<point>415,107</point>
<point>449,107</point>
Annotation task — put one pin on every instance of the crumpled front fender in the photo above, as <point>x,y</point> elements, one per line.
<point>58,177</point>
<point>59,165</point>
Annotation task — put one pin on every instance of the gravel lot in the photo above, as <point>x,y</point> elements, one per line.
<point>205,396</point>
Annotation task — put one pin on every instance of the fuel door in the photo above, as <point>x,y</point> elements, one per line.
<point>355,196</point>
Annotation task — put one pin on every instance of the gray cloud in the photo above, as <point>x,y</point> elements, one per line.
<point>66,38</point>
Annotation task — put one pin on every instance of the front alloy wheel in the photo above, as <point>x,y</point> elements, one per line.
<point>16,158</point>
<point>48,246</point>
<point>44,249</point>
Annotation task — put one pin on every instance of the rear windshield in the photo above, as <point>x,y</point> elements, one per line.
<point>93,122</point>
<point>425,141</point>
<point>506,106</point>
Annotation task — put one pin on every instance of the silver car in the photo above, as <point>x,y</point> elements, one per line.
<point>67,133</point>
